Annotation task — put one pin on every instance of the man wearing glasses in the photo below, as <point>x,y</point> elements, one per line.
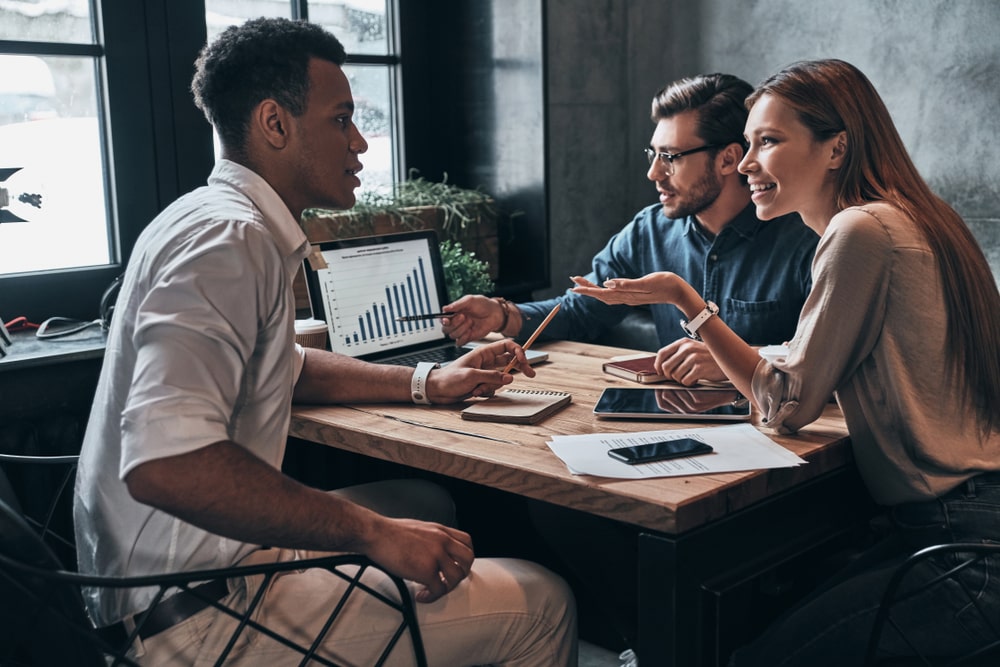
<point>704,229</point>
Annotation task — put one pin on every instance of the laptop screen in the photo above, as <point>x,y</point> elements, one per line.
<point>360,286</point>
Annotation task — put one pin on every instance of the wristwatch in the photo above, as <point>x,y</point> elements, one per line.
<point>418,383</point>
<point>691,328</point>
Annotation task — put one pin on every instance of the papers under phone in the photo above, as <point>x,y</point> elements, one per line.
<point>737,447</point>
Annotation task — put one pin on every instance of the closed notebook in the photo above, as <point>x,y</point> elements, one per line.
<point>517,406</point>
<point>637,369</point>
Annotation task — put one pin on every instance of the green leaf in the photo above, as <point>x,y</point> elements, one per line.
<point>463,273</point>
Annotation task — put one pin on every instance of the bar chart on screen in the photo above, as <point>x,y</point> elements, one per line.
<point>365,288</point>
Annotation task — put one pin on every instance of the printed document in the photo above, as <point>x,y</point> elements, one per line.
<point>737,447</point>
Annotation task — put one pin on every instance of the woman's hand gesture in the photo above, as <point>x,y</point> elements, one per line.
<point>659,287</point>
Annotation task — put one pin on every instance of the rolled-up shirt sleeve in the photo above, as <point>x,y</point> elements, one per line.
<point>195,332</point>
<point>839,325</point>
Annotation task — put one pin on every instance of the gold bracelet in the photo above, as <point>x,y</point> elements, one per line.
<point>506,312</point>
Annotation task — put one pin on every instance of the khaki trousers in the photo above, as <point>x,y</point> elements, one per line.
<point>506,612</point>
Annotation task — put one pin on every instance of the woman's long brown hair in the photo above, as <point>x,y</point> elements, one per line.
<point>832,96</point>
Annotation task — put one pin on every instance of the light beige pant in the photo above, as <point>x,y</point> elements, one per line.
<point>506,612</point>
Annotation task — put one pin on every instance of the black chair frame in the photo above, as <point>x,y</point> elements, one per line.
<point>117,650</point>
<point>29,566</point>
<point>969,554</point>
<point>43,525</point>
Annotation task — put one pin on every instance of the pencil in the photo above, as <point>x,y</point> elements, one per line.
<point>545,323</point>
<point>425,316</point>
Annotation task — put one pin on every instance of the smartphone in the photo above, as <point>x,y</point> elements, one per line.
<point>658,451</point>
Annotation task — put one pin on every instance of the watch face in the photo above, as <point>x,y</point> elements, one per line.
<point>691,334</point>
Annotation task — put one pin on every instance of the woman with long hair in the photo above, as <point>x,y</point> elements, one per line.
<point>902,326</point>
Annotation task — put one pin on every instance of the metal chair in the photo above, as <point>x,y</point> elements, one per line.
<point>44,622</point>
<point>910,580</point>
<point>51,516</point>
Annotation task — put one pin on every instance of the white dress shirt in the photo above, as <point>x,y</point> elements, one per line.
<point>201,350</point>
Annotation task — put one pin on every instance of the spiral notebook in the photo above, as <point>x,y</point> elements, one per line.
<point>518,406</point>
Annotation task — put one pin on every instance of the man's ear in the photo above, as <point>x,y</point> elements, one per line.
<point>838,150</point>
<point>729,158</point>
<point>270,121</point>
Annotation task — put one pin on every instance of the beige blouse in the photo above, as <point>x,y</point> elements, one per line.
<point>872,331</point>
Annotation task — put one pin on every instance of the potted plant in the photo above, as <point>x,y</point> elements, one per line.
<point>463,272</point>
<point>463,216</point>
<point>466,221</point>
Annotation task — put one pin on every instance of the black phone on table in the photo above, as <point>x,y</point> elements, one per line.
<point>659,451</point>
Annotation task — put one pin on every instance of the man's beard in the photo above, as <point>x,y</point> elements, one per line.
<point>698,198</point>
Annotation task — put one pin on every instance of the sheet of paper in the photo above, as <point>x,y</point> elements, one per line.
<point>737,447</point>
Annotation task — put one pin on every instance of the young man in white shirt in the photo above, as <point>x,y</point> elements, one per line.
<point>180,466</point>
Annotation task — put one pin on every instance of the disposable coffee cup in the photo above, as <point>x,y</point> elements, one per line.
<point>310,333</point>
<point>774,353</point>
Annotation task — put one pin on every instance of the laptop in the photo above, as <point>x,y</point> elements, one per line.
<point>360,286</point>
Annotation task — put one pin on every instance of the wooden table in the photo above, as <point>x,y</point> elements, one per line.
<point>697,533</point>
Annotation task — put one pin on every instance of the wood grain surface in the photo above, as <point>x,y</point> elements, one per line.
<point>515,458</point>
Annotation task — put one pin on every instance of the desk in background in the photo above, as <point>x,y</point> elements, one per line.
<point>46,390</point>
<point>699,534</point>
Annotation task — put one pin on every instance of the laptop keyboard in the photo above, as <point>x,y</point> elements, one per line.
<point>437,355</point>
<point>447,354</point>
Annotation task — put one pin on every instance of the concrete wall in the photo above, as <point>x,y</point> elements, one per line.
<point>935,62</point>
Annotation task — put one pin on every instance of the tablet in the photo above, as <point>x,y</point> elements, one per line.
<point>682,403</point>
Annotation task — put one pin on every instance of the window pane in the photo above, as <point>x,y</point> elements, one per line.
<point>220,14</point>
<point>373,116</point>
<point>47,21</point>
<point>50,134</point>
<point>359,24</point>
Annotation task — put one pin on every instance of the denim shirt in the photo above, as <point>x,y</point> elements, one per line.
<point>756,271</point>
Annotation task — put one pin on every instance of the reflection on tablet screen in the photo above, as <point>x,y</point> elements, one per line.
<point>683,403</point>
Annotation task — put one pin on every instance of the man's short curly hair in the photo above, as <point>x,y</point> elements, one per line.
<point>264,58</point>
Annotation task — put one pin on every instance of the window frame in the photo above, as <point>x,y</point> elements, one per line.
<point>394,64</point>
<point>161,146</point>
<point>158,145</point>
<point>22,290</point>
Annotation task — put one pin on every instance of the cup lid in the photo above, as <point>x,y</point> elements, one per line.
<point>309,326</point>
<point>774,353</point>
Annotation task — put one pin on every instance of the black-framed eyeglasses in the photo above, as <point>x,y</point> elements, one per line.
<point>667,159</point>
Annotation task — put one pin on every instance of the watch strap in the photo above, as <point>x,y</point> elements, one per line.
<point>418,382</point>
<point>691,328</point>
